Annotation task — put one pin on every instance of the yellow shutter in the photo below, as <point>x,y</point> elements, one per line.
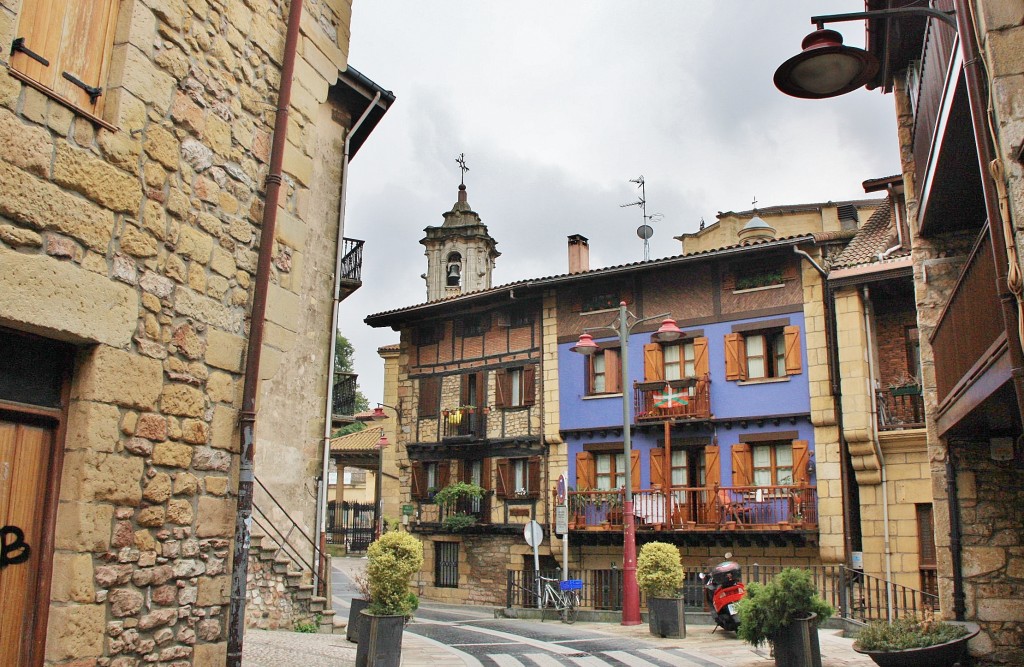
<point>794,357</point>
<point>700,357</point>
<point>654,363</point>
<point>742,465</point>
<point>40,26</point>
<point>85,51</point>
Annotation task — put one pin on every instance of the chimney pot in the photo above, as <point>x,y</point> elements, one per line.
<point>579,254</point>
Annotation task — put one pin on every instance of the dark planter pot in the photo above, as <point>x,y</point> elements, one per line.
<point>939,655</point>
<point>666,617</point>
<point>797,644</point>
<point>355,619</point>
<point>380,641</point>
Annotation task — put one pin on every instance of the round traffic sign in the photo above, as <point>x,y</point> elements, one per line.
<point>533,533</point>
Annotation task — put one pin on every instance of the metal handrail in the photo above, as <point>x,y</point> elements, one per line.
<point>283,540</point>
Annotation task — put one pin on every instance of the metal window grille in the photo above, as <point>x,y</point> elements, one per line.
<point>446,564</point>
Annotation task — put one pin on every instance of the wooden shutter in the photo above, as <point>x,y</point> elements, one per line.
<point>700,357</point>
<point>530,384</point>
<point>801,456</point>
<point>502,388</point>
<point>444,474</point>
<point>429,397</point>
<point>503,482</point>
<point>464,397</point>
<point>794,358</point>
<point>612,366</point>
<point>533,477</point>
<point>419,481</point>
<point>654,363</point>
<point>485,474</point>
<point>712,467</point>
<point>925,536</point>
<point>742,465</point>
<point>657,462</point>
<point>586,471</point>
<point>735,357</point>
<point>462,469</point>
<point>634,469</point>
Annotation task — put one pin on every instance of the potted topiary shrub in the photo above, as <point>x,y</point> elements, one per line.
<point>659,574</point>
<point>909,642</point>
<point>391,561</point>
<point>785,612</point>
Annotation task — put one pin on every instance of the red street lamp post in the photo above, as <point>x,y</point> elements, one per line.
<point>586,346</point>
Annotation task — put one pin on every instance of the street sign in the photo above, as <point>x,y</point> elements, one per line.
<point>407,510</point>
<point>533,534</point>
<point>561,519</point>
<point>560,490</point>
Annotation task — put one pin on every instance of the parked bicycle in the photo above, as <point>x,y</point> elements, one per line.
<point>564,596</point>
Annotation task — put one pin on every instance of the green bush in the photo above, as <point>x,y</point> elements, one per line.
<point>766,609</point>
<point>310,626</point>
<point>450,494</point>
<point>658,570</point>
<point>391,560</point>
<point>904,633</point>
<point>458,521</point>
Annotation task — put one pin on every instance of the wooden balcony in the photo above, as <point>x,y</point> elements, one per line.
<point>699,509</point>
<point>467,423</point>
<point>649,402</point>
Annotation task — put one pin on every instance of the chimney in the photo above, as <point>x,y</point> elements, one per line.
<point>579,254</point>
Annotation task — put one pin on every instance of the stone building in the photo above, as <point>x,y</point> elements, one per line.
<point>137,200</point>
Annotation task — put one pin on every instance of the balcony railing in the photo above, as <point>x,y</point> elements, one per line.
<point>778,507</point>
<point>900,408</point>
<point>344,396</point>
<point>971,322</point>
<point>478,508</point>
<point>651,400</point>
<point>464,422</point>
<point>350,279</point>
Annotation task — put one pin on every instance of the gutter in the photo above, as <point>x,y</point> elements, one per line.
<point>257,318</point>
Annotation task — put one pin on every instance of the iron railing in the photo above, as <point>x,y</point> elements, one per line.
<point>343,401</point>
<point>291,543</point>
<point>464,422</point>
<point>900,408</point>
<point>853,594</point>
<point>351,263</point>
<point>779,507</point>
<point>350,525</point>
<point>478,508</point>
<point>651,403</point>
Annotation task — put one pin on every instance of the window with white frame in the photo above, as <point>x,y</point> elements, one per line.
<point>610,470</point>
<point>772,463</point>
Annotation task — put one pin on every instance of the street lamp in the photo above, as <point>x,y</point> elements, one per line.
<point>827,68</point>
<point>378,415</point>
<point>586,346</point>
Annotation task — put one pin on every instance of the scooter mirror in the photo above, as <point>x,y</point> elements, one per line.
<point>728,555</point>
<point>701,575</point>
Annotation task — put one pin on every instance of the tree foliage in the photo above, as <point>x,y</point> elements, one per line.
<point>344,360</point>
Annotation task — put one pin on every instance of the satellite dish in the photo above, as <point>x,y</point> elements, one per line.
<point>645,232</point>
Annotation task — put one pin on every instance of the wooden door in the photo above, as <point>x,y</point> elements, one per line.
<point>24,466</point>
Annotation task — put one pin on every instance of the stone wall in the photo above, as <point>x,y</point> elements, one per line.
<point>139,244</point>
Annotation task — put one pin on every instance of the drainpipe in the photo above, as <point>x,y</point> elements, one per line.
<point>329,404</point>
<point>899,226</point>
<point>246,468</point>
<point>879,454</point>
<point>955,538</point>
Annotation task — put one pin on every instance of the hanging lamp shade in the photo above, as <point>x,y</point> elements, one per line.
<point>825,67</point>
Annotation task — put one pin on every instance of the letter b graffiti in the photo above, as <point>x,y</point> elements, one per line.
<point>13,548</point>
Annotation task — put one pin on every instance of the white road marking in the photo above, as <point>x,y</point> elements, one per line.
<point>509,637</point>
<point>629,659</point>
<point>504,660</point>
<point>674,659</point>
<point>543,660</point>
<point>590,661</point>
<point>467,659</point>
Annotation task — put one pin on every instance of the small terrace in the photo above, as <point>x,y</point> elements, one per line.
<point>468,422</point>
<point>350,277</point>
<point>688,398</point>
<point>343,401</point>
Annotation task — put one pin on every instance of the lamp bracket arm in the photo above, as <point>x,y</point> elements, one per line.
<point>946,16</point>
<point>647,319</point>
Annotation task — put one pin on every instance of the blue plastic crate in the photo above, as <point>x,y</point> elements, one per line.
<point>571,585</point>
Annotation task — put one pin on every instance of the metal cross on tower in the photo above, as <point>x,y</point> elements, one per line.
<point>461,160</point>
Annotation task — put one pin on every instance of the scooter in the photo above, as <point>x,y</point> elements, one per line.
<point>722,590</point>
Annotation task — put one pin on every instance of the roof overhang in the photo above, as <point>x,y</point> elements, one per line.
<point>359,93</point>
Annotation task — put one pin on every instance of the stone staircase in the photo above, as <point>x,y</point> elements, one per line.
<point>279,595</point>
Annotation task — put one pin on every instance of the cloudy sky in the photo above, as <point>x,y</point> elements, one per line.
<point>557,105</point>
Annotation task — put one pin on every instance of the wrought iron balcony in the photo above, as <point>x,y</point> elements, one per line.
<point>343,402</point>
<point>465,422</point>
<point>350,279</point>
<point>651,401</point>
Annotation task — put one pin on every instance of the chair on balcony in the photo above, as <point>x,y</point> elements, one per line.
<point>732,510</point>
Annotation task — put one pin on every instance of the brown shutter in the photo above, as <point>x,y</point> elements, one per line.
<point>634,469</point>
<point>735,357</point>
<point>586,472</point>
<point>480,400</point>
<point>657,461</point>
<point>533,477</point>
<point>502,486</point>
<point>502,389</point>
<point>612,366</point>
<point>85,50</point>
<point>444,473</point>
<point>801,456</point>
<point>700,357</point>
<point>654,363</point>
<point>429,397</point>
<point>464,397</point>
<point>462,471</point>
<point>794,359</point>
<point>530,384</point>
<point>485,474</point>
<point>742,465</point>
<point>712,467</point>
<point>419,486</point>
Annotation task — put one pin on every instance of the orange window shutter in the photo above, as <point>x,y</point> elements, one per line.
<point>700,357</point>
<point>742,465</point>
<point>502,486</point>
<point>654,363</point>
<point>712,467</point>
<point>735,357</point>
<point>533,477</point>
<point>634,469</point>
<point>586,477</point>
<point>657,461</point>
<point>801,456</point>
<point>88,36</point>
<point>794,357</point>
<point>530,385</point>
<point>612,366</point>
<point>40,31</point>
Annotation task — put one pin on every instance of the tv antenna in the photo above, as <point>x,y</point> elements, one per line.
<point>644,231</point>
